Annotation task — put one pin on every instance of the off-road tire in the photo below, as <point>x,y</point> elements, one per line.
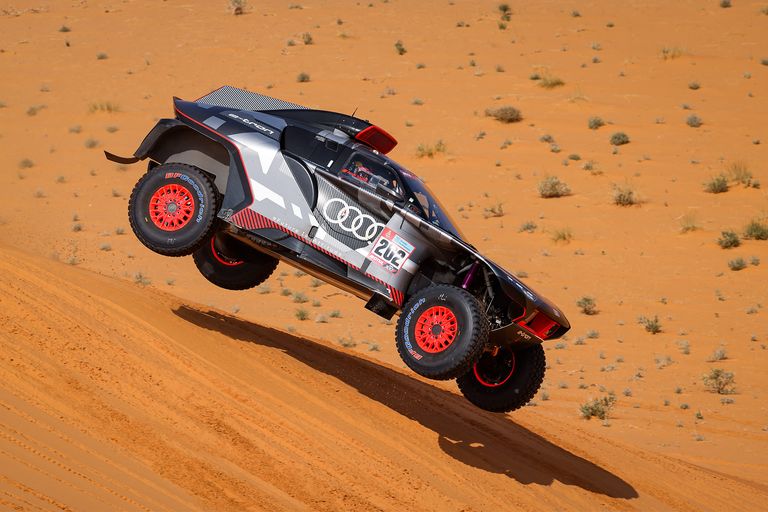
<point>232,265</point>
<point>510,394</point>
<point>195,203</point>
<point>462,328</point>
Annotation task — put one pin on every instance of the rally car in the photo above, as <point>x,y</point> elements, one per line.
<point>241,181</point>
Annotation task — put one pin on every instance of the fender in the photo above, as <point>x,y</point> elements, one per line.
<point>186,140</point>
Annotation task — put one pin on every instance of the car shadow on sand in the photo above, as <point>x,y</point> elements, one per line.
<point>491,442</point>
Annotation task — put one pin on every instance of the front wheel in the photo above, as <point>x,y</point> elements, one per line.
<point>503,380</point>
<point>441,332</point>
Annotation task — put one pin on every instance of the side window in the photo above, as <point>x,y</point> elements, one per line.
<point>365,172</point>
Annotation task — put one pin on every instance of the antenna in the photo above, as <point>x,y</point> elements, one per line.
<point>354,112</point>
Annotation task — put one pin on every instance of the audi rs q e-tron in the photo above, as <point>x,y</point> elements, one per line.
<point>241,181</point>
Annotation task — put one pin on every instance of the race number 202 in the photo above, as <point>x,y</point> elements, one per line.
<point>390,251</point>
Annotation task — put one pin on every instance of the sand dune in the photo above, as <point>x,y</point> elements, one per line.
<point>122,397</point>
<point>131,382</point>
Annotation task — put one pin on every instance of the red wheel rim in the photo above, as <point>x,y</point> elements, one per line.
<point>171,207</point>
<point>436,329</point>
<point>222,258</point>
<point>494,371</point>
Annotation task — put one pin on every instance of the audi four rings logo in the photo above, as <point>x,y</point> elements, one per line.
<point>352,220</point>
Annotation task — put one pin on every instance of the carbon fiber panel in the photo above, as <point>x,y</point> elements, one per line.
<point>233,97</point>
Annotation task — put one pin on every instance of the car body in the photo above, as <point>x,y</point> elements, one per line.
<point>315,189</point>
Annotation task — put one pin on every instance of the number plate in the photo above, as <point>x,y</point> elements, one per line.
<point>390,251</point>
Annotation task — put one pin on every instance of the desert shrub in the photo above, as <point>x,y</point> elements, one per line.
<point>588,305</point>
<point>551,186</point>
<point>718,355</point>
<point>740,173</point>
<point>684,346</point>
<point>91,143</point>
<point>619,139</point>
<point>427,150</point>
<point>694,121</point>
<point>496,210</point>
<point>562,235</point>
<point>737,264</point>
<point>671,52</point>
<point>550,82</point>
<point>688,223</point>
<point>506,11</point>
<point>725,4</point>
<point>141,279</point>
<point>26,163</point>
<point>728,240</point>
<point>299,298</point>
<point>33,110</point>
<point>720,381</point>
<point>505,114</point>
<point>624,195</point>
<point>528,227</point>
<point>64,29</point>
<point>717,184</point>
<point>102,56</point>
<point>547,138</point>
<point>301,314</point>
<point>302,77</point>
<point>307,39</point>
<point>694,86</point>
<point>595,122</point>
<point>335,314</point>
<point>598,407</point>
<point>237,7</point>
<point>652,325</point>
<point>756,230</point>
<point>400,48</point>
<point>103,106</point>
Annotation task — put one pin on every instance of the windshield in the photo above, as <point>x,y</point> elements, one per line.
<point>434,212</point>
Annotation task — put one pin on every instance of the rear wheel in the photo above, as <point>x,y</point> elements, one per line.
<point>506,380</point>
<point>172,209</point>
<point>441,332</point>
<point>230,264</point>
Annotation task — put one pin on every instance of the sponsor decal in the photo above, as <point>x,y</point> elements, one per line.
<point>352,220</point>
<point>523,334</point>
<point>390,251</point>
<point>406,329</point>
<point>200,199</point>
<point>250,123</point>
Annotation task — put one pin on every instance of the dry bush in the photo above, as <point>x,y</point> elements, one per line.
<point>505,114</point>
<point>551,186</point>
